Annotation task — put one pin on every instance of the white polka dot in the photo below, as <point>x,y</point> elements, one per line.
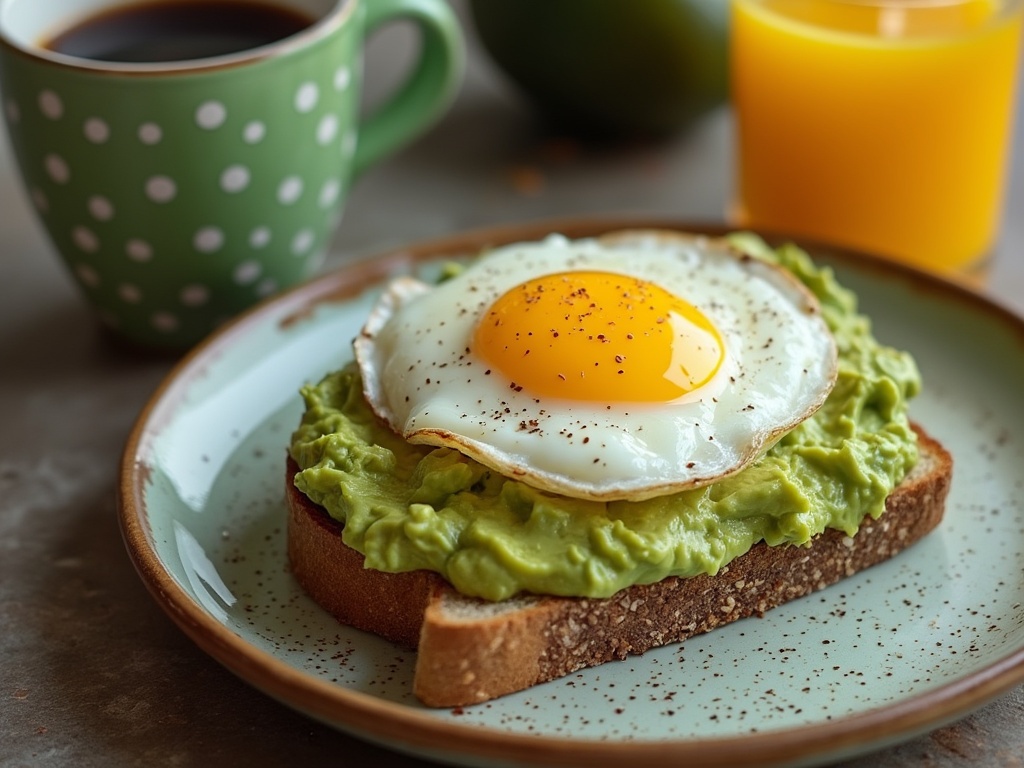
<point>164,321</point>
<point>316,261</point>
<point>208,240</point>
<point>303,241</point>
<point>195,295</point>
<point>57,169</point>
<point>161,189</point>
<point>101,208</point>
<point>40,200</point>
<point>329,193</point>
<point>150,133</point>
<point>96,130</point>
<point>138,250</point>
<point>290,190</point>
<point>342,78</point>
<point>211,115</point>
<point>306,97</point>
<point>235,178</point>
<point>254,132</point>
<point>348,144</point>
<point>259,237</point>
<point>266,287</point>
<point>87,275</point>
<point>85,239</point>
<point>247,272</point>
<point>130,294</point>
<point>13,111</point>
<point>51,105</point>
<point>327,129</point>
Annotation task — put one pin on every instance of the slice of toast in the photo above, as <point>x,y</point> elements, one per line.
<point>471,650</point>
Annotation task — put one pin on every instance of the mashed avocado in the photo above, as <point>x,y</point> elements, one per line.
<point>409,507</point>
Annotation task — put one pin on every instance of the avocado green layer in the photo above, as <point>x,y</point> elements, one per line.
<point>409,507</point>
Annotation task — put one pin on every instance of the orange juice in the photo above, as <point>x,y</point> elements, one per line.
<point>882,125</point>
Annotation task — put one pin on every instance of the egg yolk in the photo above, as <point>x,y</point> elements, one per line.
<point>599,336</point>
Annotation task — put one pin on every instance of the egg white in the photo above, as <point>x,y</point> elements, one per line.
<point>422,377</point>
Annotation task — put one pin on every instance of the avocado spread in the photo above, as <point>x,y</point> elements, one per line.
<point>408,507</point>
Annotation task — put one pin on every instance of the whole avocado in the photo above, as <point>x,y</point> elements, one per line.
<point>613,67</point>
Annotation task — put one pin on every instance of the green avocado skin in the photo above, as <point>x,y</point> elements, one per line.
<point>409,507</point>
<point>611,67</point>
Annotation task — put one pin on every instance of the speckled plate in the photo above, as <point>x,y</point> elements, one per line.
<point>890,653</point>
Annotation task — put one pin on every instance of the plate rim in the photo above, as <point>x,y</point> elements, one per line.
<point>400,727</point>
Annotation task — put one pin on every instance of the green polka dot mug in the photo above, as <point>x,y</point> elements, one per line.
<point>178,193</point>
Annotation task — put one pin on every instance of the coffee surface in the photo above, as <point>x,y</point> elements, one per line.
<point>178,30</point>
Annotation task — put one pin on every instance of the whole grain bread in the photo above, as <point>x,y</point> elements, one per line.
<point>470,650</point>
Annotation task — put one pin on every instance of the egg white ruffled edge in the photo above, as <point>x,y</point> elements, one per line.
<point>403,289</point>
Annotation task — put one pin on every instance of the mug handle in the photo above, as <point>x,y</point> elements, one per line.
<point>429,87</point>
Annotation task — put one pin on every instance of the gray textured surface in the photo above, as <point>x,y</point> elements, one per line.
<point>91,672</point>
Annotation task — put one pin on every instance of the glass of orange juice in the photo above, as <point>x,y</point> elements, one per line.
<point>882,125</point>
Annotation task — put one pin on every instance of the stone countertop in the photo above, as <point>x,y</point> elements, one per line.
<point>92,673</point>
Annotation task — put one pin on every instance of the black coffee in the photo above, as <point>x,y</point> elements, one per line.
<point>176,30</point>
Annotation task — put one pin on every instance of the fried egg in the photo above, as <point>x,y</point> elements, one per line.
<point>626,367</point>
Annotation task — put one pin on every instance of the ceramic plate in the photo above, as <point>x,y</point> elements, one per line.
<point>881,657</point>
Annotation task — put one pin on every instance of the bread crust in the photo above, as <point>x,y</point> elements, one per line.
<point>470,651</point>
